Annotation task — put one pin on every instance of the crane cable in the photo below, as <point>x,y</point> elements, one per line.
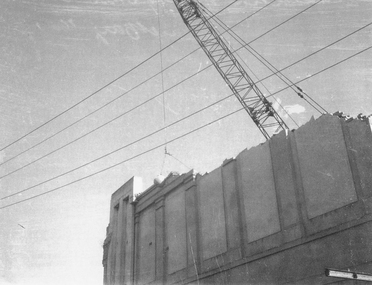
<point>166,152</point>
<point>162,86</point>
<point>244,44</point>
<point>107,168</point>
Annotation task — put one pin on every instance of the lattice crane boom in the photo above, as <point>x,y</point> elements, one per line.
<point>255,103</point>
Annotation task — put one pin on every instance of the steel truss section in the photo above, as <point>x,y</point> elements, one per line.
<point>256,105</point>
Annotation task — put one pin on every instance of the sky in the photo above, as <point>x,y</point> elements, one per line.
<point>55,54</point>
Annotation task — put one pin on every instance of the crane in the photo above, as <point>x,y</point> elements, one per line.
<point>254,103</point>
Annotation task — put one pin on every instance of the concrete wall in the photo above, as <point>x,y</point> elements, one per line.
<point>278,213</point>
<point>118,257</point>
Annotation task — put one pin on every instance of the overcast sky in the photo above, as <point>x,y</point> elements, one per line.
<point>55,53</point>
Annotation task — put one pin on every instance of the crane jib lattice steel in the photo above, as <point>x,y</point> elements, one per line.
<point>255,103</point>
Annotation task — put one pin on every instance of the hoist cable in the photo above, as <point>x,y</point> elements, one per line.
<point>171,155</point>
<point>162,86</point>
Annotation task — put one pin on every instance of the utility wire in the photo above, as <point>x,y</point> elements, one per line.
<point>119,163</point>
<point>117,117</point>
<point>99,127</point>
<point>177,85</point>
<point>123,147</point>
<point>329,67</point>
<point>103,87</point>
<point>363,27</point>
<point>317,51</point>
<point>85,177</point>
<point>133,88</point>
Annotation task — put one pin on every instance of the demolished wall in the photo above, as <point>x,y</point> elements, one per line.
<point>278,213</point>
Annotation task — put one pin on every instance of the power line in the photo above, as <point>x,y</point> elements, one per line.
<point>123,147</point>
<point>103,87</point>
<point>171,88</point>
<point>133,88</point>
<point>99,127</point>
<point>363,27</point>
<point>317,51</point>
<point>119,163</point>
<point>329,67</point>
<point>95,173</point>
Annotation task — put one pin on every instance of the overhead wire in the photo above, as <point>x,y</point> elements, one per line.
<point>322,48</point>
<point>99,127</point>
<point>101,88</point>
<point>329,67</point>
<point>118,149</point>
<point>135,87</point>
<point>145,102</point>
<point>317,51</point>
<point>174,139</point>
<point>126,160</point>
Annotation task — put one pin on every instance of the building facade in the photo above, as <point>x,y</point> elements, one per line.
<point>279,213</point>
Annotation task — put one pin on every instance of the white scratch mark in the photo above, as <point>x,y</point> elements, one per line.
<point>327,174</point>
<point>200,65</point>
<point>166,107</point>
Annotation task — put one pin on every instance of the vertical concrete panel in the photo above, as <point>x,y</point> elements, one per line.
<point>231,205</point>
<point>284,179</point>
<point>110,255</point>
<point>159,242</point>
<point>120,267</point>
<point>128,244</point>
<point>146,256</point>
<point>114,245</point>
<point>325,170</point>
<point>361,147</point>
<point>192,226</point>
<point>175,221</point>
<point>118,242</point>
<point>212,215</point>
<point>260,203</point>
